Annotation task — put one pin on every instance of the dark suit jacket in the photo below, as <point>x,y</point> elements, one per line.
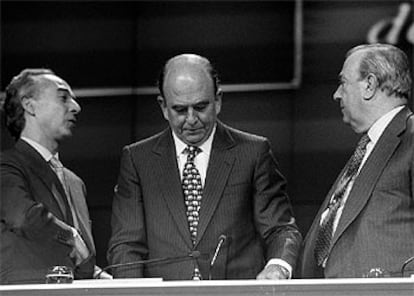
<point>376,228</point>
<point>34,218</point>
<point>244,198</point>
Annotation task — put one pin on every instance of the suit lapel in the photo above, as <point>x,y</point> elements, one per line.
<point>169,182</point>
<point>219,168</point>
<point>39,167</point>
<point>365,182</point>
<point>168,176</point>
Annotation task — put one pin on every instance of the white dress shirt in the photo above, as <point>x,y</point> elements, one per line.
<point>200,160</point>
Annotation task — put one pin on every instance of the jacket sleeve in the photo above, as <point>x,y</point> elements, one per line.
<point>20,212</point>
<point>273,212</point>
<point>128,240</point>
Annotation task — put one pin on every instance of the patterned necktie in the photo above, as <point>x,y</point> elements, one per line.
<point>57,167</point>
<point>193,191</point>
<point>325,231</point>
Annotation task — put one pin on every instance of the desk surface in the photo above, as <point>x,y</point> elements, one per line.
<point>142,287</point>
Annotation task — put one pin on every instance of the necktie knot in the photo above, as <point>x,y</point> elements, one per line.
<point>55,163</point>
<point>363,141</point>
<point>192,152</point>
<point>358,156</point>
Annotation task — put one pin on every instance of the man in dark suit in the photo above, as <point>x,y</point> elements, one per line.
<point>44,218</point>
<point>201,188</point>
<point>369,211</point>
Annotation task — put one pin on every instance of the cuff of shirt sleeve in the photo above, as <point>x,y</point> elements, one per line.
<point>282,263</point>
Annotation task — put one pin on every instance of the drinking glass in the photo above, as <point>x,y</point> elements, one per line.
<point>376,272</point>
<point>59,275</point>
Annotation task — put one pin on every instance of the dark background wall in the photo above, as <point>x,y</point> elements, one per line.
<point>123,44</point>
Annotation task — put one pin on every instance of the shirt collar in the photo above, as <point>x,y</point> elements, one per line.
<point>205,147</point>
<point>379,126</point>
<point>43,151</point>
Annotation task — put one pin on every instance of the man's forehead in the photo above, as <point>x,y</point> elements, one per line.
<point>59,83</point>
<point>187,78</point>
<point>354,59</point>
<point>185,102</point>
<point>350,69</point>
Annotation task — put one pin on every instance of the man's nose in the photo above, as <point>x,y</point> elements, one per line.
<point>191,116</point>
<point>74,106</point>
<point>336,97</point>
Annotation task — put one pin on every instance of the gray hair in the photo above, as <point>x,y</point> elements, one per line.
<point>25,84</point>
<point>389,64</point>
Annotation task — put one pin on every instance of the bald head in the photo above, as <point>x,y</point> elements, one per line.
<point>187,73</point>
<point>187,70</point>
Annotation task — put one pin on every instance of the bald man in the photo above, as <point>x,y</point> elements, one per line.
<point>208,198</point>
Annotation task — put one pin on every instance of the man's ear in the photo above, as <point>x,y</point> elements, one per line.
<point>28,105</point>
<point>371,86</point>
<point>163,105</point>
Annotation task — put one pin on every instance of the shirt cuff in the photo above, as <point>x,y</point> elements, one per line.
<point>282,263</point>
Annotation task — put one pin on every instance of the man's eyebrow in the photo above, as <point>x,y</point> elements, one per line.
<point>67,91</point>
<point>202,102</point>
<point>179,106</point>
<point>61,88</point>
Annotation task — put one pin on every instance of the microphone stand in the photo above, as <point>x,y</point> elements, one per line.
<point>405,265</point>
<point>221,240</point>
<point>190,256</point>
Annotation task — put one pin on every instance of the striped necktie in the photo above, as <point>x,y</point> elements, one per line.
<point>57,167</point>
<point>325,231</point>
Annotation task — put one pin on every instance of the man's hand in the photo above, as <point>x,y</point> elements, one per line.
<point>103,275</point>
<point>80,251</point>
<point>273,272</point>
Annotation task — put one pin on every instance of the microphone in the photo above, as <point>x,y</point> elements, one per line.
<point>405,265</point>
<point>220,243</point>
<point>192,255</point>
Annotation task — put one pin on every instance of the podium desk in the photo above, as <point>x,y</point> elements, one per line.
<point>152,287</point>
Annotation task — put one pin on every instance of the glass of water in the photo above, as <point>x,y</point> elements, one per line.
<point>59,275</point>
<point>376,272</point>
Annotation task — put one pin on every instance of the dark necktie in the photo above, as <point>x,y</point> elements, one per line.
<point>193,192</point>
<point>57,167</point>
<point>325,231</point>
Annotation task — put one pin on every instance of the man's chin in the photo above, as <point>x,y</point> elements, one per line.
<point>67,134</point>
<point>345,119</point>
<point>194,140</point>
